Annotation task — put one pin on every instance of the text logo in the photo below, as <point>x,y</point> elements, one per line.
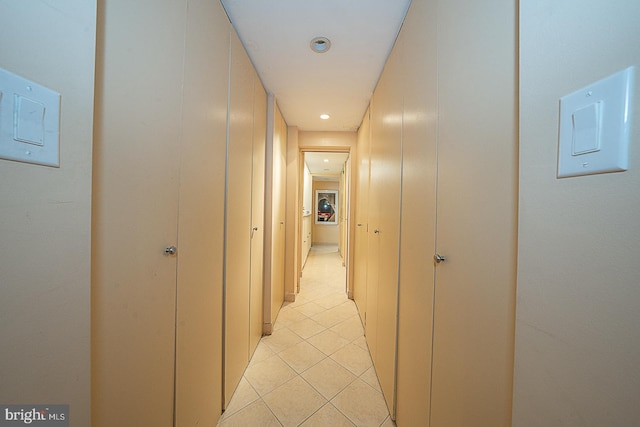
<point>34,415</point>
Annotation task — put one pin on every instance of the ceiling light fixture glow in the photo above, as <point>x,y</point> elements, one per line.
<point>320,44</point>
<point>325,116</point>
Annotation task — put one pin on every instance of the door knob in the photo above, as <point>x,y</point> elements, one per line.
<point>255,228</point>
<point>171,250</point>
<point>438,258</point>
<point>377,231</point>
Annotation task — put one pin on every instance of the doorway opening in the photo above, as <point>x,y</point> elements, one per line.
<point>325,207</point>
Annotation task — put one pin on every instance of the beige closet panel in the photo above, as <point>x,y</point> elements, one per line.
<point>238,217</point>
<point>257,212</point>
<point>360,256</point>
<point>275,214</point>
<point>201,230</point>
<point>415,308</point>
<point>135,211</point>
<point>477,214</point>
<point>384,224</point>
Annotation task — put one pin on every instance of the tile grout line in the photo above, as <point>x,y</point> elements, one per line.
<point>311,293</point>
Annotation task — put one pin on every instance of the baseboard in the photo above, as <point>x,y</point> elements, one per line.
<point>267,328</point>
<point>290,297</point>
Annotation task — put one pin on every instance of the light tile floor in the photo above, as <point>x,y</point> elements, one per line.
<point>315,369</point>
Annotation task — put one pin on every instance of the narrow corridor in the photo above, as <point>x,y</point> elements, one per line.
<point>315,369</point>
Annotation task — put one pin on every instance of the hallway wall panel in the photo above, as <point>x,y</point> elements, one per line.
<point>577,341</point>
<point>361,224</point>
<point>477,214</point>
<point>275,213</point>
<point>45,214</point>
<point>257,212</point>
<point>200,233</point>
<point>238,206</point>
<point>384,223</point>
<point>135,211</point>
<point>160,181</point>
<point>453,155</point>
<point>419,166</point>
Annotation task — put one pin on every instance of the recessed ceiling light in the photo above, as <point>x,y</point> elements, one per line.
<point>320,44</point>
<point>326,160</point>
<point>325,116</point>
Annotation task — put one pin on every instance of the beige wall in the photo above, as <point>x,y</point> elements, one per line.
<point>307,216</point>
<point>345,207</point>
<point>293,252</point>
<point>577,346</point>
<point>326,141</point>
<point>324,234</point>
<point>307,194</point>
<point>45,215</point>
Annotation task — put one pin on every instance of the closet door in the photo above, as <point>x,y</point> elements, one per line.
<point>238,218</point>
<point>384,224</point>
<point>257,212</point>
<point>477,208</point>
<point>419,166</point>
<point>362,218</point>
<point>201,229</point>
<point>135,212</point>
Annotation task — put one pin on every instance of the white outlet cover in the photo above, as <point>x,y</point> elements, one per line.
<point>29,121</point>
<point>594,127</point>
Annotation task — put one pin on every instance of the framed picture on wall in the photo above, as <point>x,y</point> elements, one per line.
<point>327,207</point>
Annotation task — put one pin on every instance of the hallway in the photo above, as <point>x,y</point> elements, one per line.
<point>315,369</point>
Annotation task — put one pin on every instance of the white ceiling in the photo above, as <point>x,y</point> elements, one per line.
<point>325,170</point>
<point>339,82</point>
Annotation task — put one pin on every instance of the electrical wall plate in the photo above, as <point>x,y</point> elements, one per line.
<point>29,121</point>
<point>594,127</point>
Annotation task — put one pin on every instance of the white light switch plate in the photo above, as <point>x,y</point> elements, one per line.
<point>29,121</point>
<point>594,127</point>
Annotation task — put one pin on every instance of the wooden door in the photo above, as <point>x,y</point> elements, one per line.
<point>201,230</point>
<point>276,204</point>
<point>257,212</point>
<point>419,166</point>
<point>237,277</point>
<point>362,219</point>
<point>384,225</point>
<point>135,212</point>
<point>476,215</point>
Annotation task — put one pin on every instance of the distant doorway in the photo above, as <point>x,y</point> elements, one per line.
<point>324,196</point>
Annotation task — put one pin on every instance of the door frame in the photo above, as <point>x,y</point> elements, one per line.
<point>349,211</point>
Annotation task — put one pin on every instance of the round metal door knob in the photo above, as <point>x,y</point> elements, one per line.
<point>438,258</point>
<point>171,250</point>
